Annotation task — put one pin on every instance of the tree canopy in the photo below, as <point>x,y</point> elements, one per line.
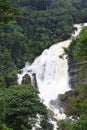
<point>19,106</point>
<point>23,38</point>
<point>7,11</point>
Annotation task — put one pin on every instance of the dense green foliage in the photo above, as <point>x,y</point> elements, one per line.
<point>19,106</point>
<point>77,107</point>
<point>78,48</point>
<point>77,102</point>
<point>8,12</point>
<point>77,52</point>
<point>43,23</point>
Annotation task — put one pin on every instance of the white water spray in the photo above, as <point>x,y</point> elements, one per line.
<point>51,74</point>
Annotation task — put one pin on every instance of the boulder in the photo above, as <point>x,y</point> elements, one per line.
<point>26,79</point>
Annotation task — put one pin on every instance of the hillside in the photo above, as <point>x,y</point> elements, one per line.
<point>27,27</point>
<point>75,101</point>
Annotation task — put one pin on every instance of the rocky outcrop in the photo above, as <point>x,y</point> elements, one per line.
<point>26,79</point>
<point>34,80</point>
<point>77,72</point>
<point>72,73</point>
<point>65,100</point>
<point>78,77</point>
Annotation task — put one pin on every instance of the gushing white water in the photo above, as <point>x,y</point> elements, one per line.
<point>51,74</point>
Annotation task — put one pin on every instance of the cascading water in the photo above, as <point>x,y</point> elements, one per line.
<point>51,74</point>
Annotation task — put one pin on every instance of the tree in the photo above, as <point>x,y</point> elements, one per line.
<point>19,106</point>
<point>8,12</point>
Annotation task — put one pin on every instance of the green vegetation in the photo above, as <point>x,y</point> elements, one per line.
<point>19,106</point>
<point>44,23</point>
<point>77,107</point>
<point>76,104</point>
<point>8,12</point>
<point>78,48</point>
<point>23,38</point>
<point>77,51</point>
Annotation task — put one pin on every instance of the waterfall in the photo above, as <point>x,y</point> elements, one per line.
<point>51,74</point>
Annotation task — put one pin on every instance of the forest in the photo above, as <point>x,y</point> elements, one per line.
<point>27,27</point>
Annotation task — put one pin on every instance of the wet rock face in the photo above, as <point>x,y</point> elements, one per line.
<point>66,98</point>
<point>34,82</point>
<point>26,79</point>
<point>78,78</point>
<point>77,72</point>
<point>72,73</point>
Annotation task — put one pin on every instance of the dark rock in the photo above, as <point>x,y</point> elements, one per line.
<point>34,81</point>
<point>74,68</point>
<point>26,79</point>
<point>50,114</point>
<point>62,97</point>
<point>78,77</point>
